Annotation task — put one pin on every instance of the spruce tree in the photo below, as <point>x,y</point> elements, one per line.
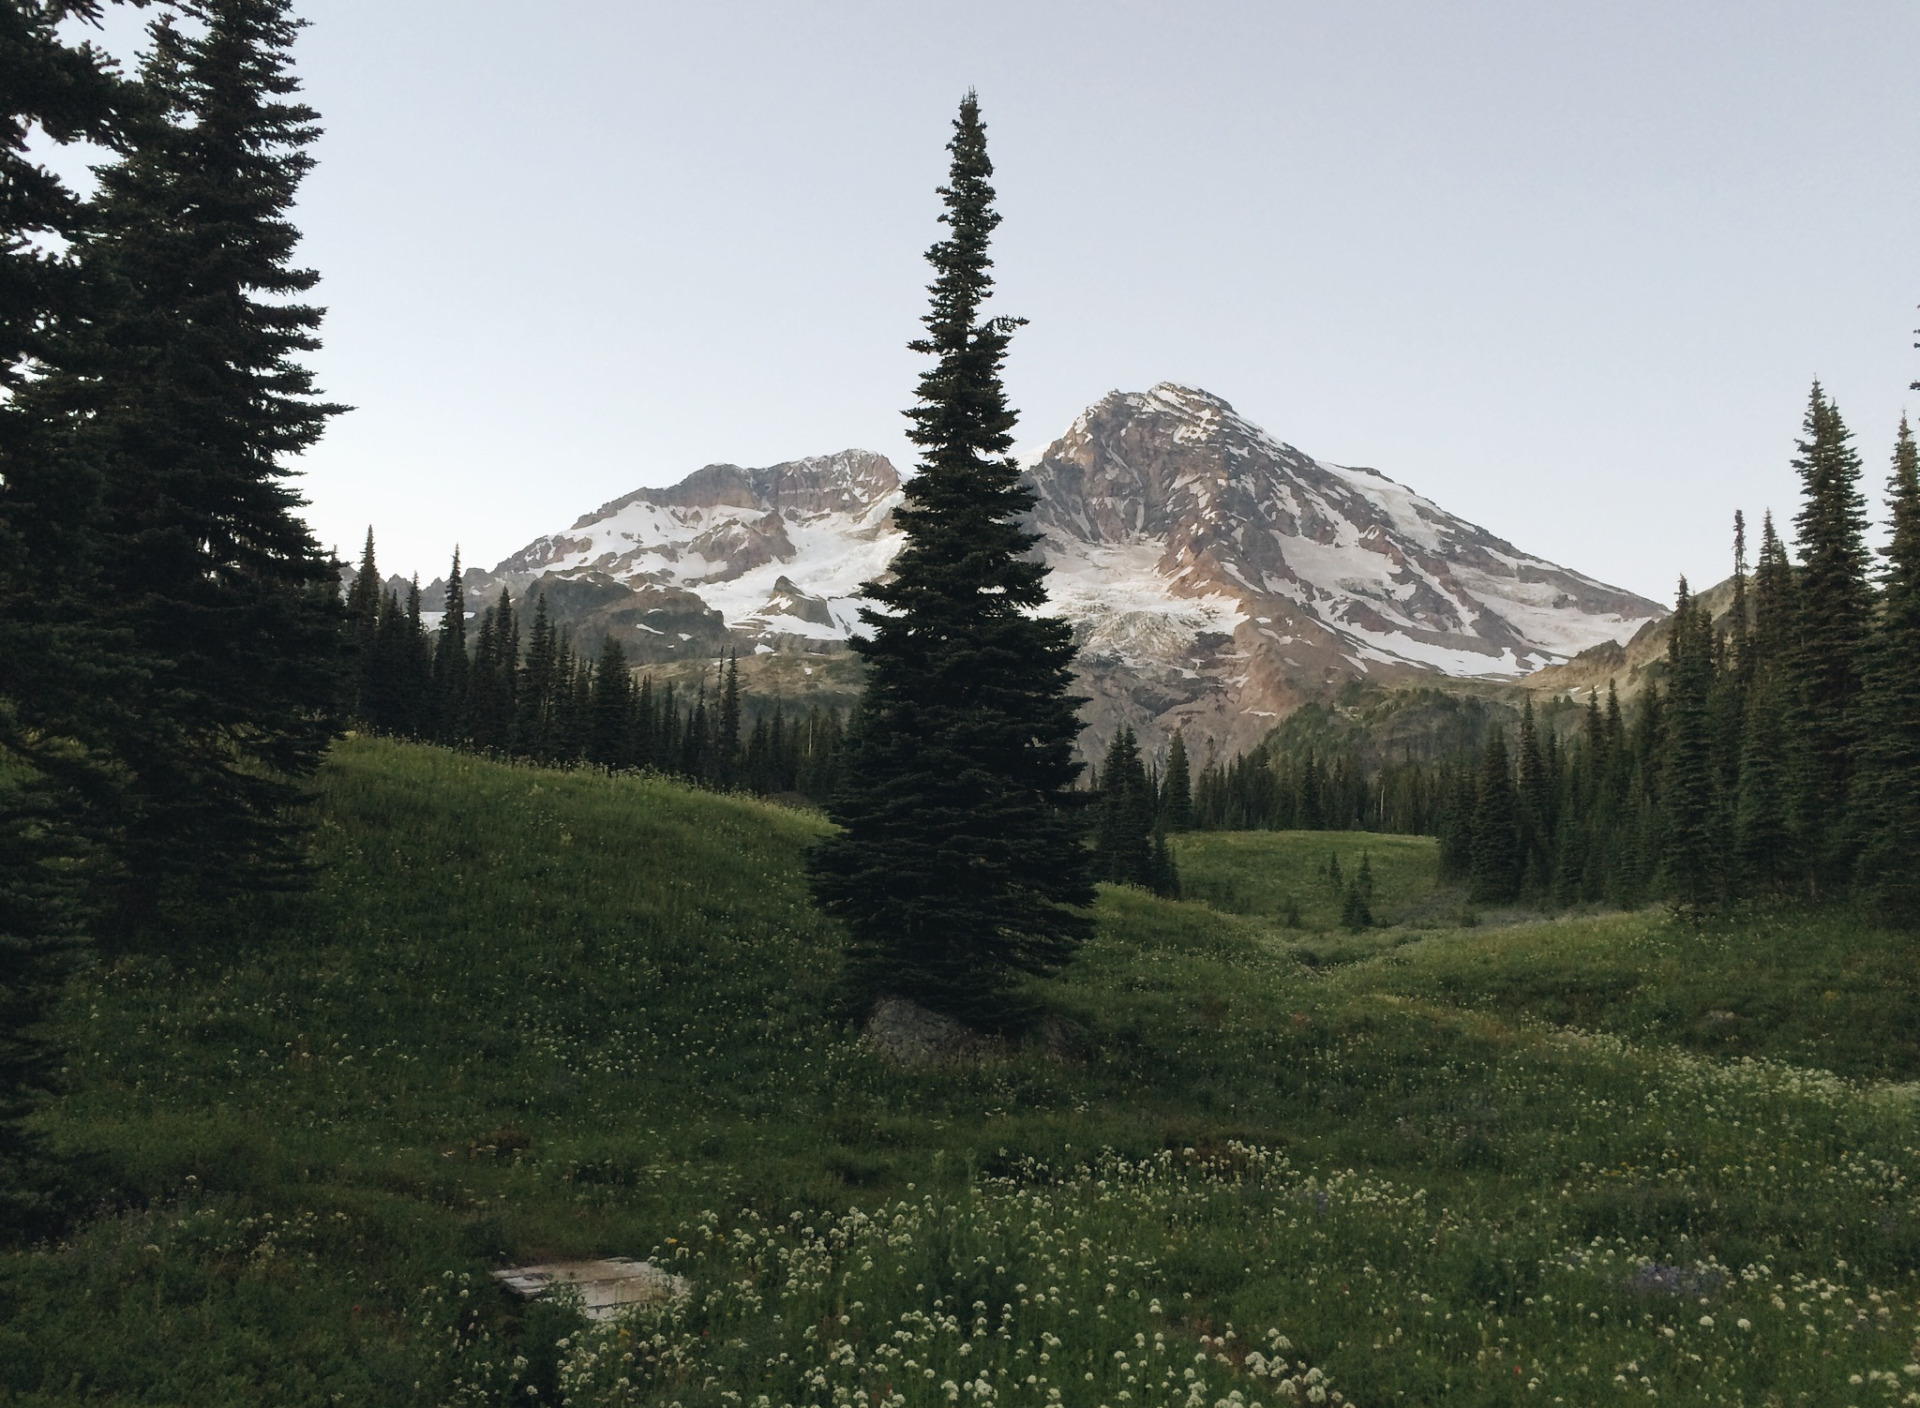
<point>607,729</point>
<point>1834,609</point>
<point>59,672</point>
<point>450,661</point>
<point>727,734</point>
<point>1886,795</point>
<point>1692,868</point>
<point>534,702</point>
<point>958,865</point>
<point>189,393</point>
<point>1535,809</point>
<point>364,598</point>
<point>1176,793</point>
<point>1763,841</point>
<point>1727,703</point>
<point>1496,860</point>
<point>1123,839</point>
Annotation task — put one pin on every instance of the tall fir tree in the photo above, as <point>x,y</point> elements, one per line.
<point>958,865</point>
<point>450,660</point>
<point>1886,798</point>
<point>1691,867</point>
<point>608,736</point>
<point>364,599</point>
<point>1123,836</point>
<point>1834,609</point>
<point>727,735</point>
<point>1496,863</point>
<point>539,678</point>
<point>188,391</point>
<point>59,673</point>
<point>1176,791</point>
<point>1535,808</point>
<point>1763,840</point>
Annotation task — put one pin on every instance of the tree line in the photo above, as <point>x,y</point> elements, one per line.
<point>1277,788</point>
<point>522,691</point>
<point>1779,755</point>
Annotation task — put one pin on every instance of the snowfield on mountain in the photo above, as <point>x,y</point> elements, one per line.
<point>1216,577</point>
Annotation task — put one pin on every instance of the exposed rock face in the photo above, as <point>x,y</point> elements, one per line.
<point>1215,577</point>
<point>1218,577</point>
<point>778,552</point>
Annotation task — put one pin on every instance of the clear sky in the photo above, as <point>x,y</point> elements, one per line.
<point>1569,270</point>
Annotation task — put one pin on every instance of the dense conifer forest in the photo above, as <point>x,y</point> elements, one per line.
<point>1776,758</point>
<point>519,689</point>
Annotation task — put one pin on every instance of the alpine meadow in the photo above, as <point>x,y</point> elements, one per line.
<point>1157,920</point>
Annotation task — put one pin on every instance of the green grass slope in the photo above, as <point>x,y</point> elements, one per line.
<point>532,1014</point>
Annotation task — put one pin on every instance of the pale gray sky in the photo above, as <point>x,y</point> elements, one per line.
<point>1566,269</point>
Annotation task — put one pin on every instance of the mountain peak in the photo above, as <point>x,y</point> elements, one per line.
<point>1215,576</point>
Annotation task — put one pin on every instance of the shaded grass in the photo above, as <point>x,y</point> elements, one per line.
<point>1275,874</point>
<point>532,1013</point>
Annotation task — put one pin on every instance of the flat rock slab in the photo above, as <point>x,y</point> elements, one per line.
<point>605,1288</point>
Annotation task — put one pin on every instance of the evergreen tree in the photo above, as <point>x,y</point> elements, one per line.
<point>363,622</point>
<point>450,661</point>
<point>58,670</point>
<point>1123,841</point>
<point>417,683</point>
<point>1762,840</point>
<point>534,702</point>
<point>1163,875</point>
<point>1356,904</point>
<point>607,738</point>
<point>186,389</point>
<point>383,704</point>
<point>1535,809</point>
<point>1834,611</point>
<point>1692,868</point>
<point>958,865</point>
<point>1496,827</point>
<point>1176,792</point>
<point>727,735</point>
<point>1728,699</point>
<point>1886,796</point>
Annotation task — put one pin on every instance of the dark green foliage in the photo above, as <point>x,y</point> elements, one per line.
<point>1176,788</point>
<point>59,676</point>
<point>40,909</point>
<point>1497,863</point>
<point>1834,612</point>
<point>609,734</point>
<point>1763,845</point>
<point>1130,846</point>
<point>1356,902</point>
<point>1693,867</point>
<point>1163,875</point>
<point>1123,834</point>
<point>958,865</point>
<point>726,743</point>
<point>187,390</point>
<point>1886,796</point>
<point>450,662</point>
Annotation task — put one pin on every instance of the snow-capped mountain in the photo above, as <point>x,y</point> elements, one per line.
<point>1216,577</point>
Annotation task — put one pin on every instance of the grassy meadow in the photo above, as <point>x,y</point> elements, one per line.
<point>1257,1160</point>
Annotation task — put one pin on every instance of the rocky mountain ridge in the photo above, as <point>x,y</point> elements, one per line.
<point>1216,577</point>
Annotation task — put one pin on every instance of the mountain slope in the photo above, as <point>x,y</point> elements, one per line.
<point>1216,576</point>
